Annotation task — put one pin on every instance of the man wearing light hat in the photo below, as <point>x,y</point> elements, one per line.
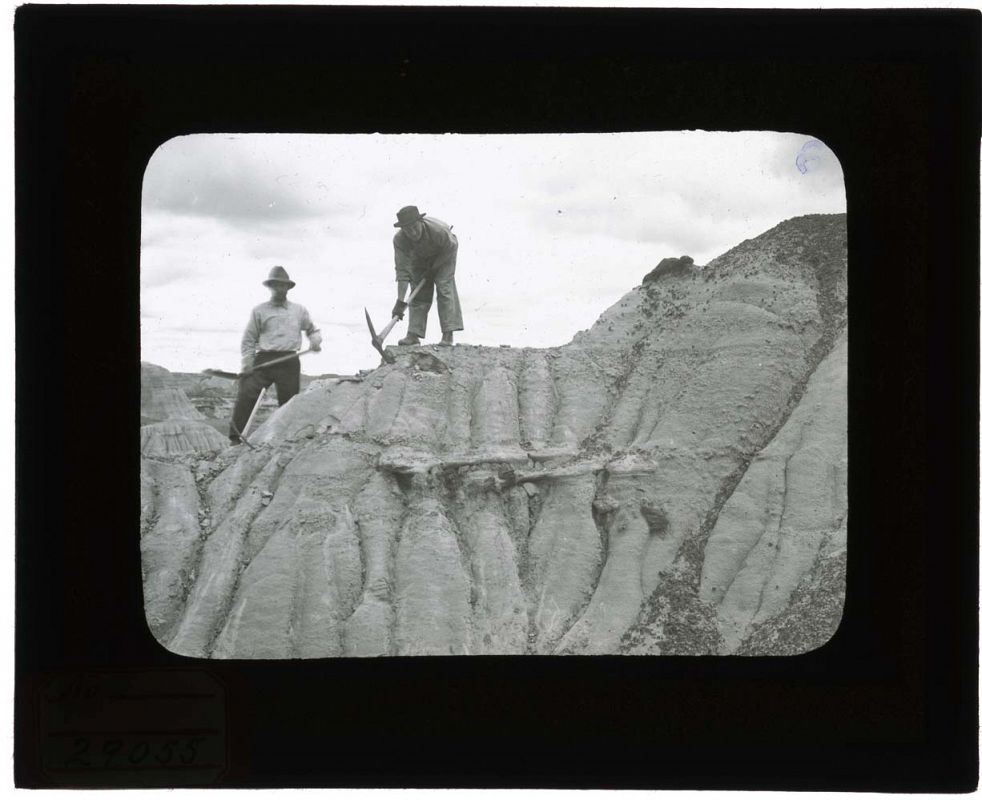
<point>425,248</point>
<point>273,332</point>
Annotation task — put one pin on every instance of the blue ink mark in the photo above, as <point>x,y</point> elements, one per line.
<point>804,156</point>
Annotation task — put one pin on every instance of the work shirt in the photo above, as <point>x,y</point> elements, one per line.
<point>412,258</point>
<point>275,327</point>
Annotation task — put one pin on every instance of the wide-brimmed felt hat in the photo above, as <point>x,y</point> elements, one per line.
<point>278,275</point>
<point>407,216</point>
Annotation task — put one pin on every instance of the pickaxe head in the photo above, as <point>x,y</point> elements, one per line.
<point>217,373</point>
<point>376,342</point>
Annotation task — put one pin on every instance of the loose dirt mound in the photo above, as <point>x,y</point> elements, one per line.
<point>662,484</point>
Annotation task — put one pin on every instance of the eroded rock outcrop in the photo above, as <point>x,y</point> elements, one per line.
<point>617,494</point>
<point>161,397</point>
<point>790,503</point>
<point>170,424</point>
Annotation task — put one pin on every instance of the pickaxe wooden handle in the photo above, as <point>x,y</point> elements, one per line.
<point>252,416</point>
<point>378,338</point>
<point>242,434</point>
<point>217,373</point>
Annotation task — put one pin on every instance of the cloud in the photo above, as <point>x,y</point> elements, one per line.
<point>202,329</point>
<point>695,193</point>
<point>164,274</point>
<point>553,229</point>
<point>223,178</point>
<point>806,163</point>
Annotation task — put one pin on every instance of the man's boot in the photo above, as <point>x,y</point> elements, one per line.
<point>410,338</point>
<point>447,338</point>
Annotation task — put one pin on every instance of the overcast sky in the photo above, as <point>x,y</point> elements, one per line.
<point>553,229</point>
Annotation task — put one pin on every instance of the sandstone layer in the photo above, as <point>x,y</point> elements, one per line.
<point>671,481</point>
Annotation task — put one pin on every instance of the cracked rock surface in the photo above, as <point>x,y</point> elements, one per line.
<point>671,481</point>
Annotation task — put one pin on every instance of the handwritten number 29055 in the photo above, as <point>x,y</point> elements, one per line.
<point>185,751</point>
<point>77,758</point>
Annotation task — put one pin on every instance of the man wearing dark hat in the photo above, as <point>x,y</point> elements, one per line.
<point>273,331</point>
<point>425,248</point>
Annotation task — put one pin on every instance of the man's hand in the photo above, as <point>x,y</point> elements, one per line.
<point>246,366</point>
<point>399,308</point>
<point>315,341</point>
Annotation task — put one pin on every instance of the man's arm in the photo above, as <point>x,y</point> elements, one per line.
<point>250,340</point>
<point>312,331</point>
<point>404,264</point>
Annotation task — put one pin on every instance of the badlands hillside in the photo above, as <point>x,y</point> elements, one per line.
<point>169,396</point>
<point>672,481</point>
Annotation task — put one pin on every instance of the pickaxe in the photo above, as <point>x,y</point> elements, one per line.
<point>234,376</point>
<point>378,338</point>
<point>252,416</point>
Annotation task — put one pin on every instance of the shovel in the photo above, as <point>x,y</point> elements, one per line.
<point>378,338</point>
<point>234,376</point>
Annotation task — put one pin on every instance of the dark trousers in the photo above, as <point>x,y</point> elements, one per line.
<point>285,375</point>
